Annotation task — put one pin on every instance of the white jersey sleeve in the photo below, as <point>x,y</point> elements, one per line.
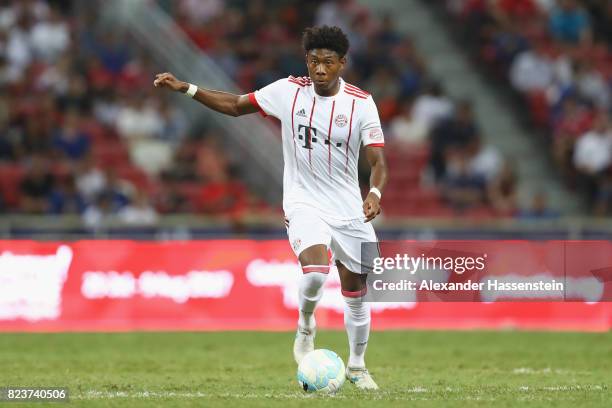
<point>271,99</point>
<point>370,130</point>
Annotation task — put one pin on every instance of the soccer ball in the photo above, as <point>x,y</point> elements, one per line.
<point>321,371</point>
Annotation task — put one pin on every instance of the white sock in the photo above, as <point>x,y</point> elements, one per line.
<point>310,292</point>
<point>357,322</point>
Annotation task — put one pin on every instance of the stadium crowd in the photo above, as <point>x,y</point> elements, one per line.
<point>83,132</point>
<point>556,55</point>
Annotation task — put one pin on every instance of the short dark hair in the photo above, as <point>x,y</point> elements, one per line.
<point>329,38</point>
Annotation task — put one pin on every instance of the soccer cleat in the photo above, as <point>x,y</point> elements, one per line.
<point>361,378</point>
<point>303,344</point>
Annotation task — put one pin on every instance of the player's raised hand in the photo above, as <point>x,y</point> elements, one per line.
<point>371,207</point>
<point>167,80</point>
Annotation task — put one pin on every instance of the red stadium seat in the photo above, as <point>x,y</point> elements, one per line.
<point>110,154</point>
<point>10,179</point>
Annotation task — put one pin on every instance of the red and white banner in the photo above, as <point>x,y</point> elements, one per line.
<point>218,285</point>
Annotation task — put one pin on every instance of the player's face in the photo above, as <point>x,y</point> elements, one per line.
<point>324,68</point>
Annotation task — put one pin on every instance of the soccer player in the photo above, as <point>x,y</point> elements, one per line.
<point>324,122</point>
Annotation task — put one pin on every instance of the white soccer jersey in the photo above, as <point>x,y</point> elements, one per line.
<point>321,137</point>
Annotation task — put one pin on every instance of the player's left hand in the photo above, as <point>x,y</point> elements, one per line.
<point>371,207</point>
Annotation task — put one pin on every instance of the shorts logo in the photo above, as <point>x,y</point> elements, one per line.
<point>376,135</point>
<point>296,244</point>
<point>341,120</point>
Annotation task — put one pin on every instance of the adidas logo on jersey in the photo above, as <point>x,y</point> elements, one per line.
<point>301,113</point>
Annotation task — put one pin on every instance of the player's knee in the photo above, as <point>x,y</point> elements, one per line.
<point>350,281</point>
<point>314,255</point>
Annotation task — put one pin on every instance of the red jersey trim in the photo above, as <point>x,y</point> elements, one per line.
<point>375,145</point>
<point>314,102</point>
<point>349,136</point>
<point>301,81</point>
<point>329,130</point>
<point>358,95</point>
<point>353,88</point>
<point>254,102</point>
<point>297,91</point>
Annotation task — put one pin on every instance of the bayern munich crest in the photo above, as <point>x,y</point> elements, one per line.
<point>296,244</point>
<point>341,120</point>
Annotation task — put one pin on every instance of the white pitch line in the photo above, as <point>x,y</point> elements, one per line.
<point>397,395</point>
<point>545,371</point>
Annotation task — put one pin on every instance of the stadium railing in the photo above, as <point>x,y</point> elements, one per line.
<point>258,226</point>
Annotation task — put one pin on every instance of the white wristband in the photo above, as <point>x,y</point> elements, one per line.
<point>191,91</point>
<point>376,192</point>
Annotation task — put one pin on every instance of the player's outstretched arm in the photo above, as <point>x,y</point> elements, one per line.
<point>378,179</point>
<point>224,102</point>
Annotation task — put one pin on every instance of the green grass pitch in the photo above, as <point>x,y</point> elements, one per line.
<point>230,369</point>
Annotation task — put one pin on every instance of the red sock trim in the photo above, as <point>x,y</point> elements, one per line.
<point>355,294</point>
<point>316,268</point>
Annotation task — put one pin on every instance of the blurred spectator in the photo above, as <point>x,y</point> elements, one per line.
<point>223,196</point>
<point>573,120</point>
<point>106,108</point>
<point>117,190</point>
<point>184,168</point>
<point>200,11</point>
<point>211,162</point>
<point>36,187</point>
<point>140,124</point>
<point>174,123</point>
<point>532,70</point>
<point>545,6</point>
<point>410,68</point>
<point>502,191</point>
<point>539,209</point>
<point>506,10</point>
<point>570,23</point>
<point>406,131</point>
<point>56,77</point>
<point>591,85</point>
<point>432,106</point>
<point>593,151</point>
<point>593,161</point>
<point>485,161</point>
<point>7,146</point>
<point>100,212</point>
<point>18,49</point>
<point>90,180</point>
<point>50,36</point>
<point>138,212</point>
<point>8,73</point>
<point>383,87</point>
<point>77,95</point>
<point>70,140</point>
<point>138,119</point>
<point>461,188</point>
<point>169,199</point>
<point>112,51</point>
<point>456,132</point>
<point>65,198</point>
